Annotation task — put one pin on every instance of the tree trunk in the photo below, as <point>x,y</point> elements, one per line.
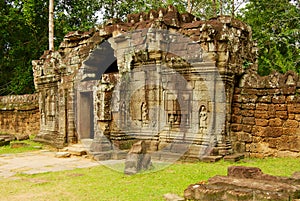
<point>214,8</point>
<point>189,6</point>
<point>221,7</point>
<point>51,25</point>
<point>232,9</point>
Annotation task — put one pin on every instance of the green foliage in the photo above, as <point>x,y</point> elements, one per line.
<point>276,28</point>
<point>121,8</point>
<point>24,30</point>
<point>24,36</point>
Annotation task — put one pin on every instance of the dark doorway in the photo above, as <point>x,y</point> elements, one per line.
<point>86,117</point>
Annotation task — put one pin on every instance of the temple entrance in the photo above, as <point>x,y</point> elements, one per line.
<point>86,120</point>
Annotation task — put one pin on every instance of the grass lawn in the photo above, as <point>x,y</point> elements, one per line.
<point>30,146</point>
<point>103,183</point>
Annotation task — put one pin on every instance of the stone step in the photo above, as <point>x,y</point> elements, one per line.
<point>225,152</point>
<point>234,157</point>
<point>7,137</point>
<point>86,142</point>
<point>211,159</point>
<point>102,156</point>
<point>76,149</point>
<point>165,156</point>
<point>63,154</point>
<point>224,147</point>
<point>118,155</point>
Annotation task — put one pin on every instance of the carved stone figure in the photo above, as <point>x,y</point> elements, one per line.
<point>144,112</point>
<point>202,119</point>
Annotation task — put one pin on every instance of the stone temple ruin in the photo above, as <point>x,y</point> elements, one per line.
<point>163,77</point>
<point>185,86</point>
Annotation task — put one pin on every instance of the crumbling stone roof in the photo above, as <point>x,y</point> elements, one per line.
<point>227,39</point>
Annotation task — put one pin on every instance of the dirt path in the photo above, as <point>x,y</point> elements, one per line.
<point>39,162</point>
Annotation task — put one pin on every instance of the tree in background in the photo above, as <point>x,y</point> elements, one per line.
<point>204,9</point>
<point>276,28</point>
<point>24,36</point>
<point>51,25</point>
<point>24,29</point>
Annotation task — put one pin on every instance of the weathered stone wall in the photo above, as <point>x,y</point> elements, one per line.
<point>266,115</point>
<point>224,42</point>
<point>19,114</point>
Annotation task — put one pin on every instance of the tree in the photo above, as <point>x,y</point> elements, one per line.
<point>276,28</point>
<point>24,36</point>
<point>51,24</point>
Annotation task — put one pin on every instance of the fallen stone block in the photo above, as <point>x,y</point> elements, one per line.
<point>19,145</point>
<point>76,151</point>
<point>62,155</point>
<point>245,183</point>
<point>137,159</point>
<point>173,197</point>
<point>9,137</point>
<point>22,137</point>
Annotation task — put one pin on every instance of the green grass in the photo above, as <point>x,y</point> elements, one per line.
<point>31,146</point>
<point>102,183</point>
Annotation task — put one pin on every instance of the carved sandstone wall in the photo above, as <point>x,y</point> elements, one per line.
<point>19,114</point>
<point>262,115</point>
<point>225,43</point>
<point>266,115</point>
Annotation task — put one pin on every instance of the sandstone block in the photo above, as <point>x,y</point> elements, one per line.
<point>265,99</point>
<point>233,157</point>
<point>173,197</point>
<point>277,122</point>
<point>244,172</point>
<point>249,120</point>
<point>291,124</point>
<point>262,106</point>
<point>236,127</point>
<point>137,159</point>
<point>236,110</point>
<point>273,142</point>
<point>62,155</point>
<point>282,114</point>
<point>258,131</point>
<point>273,132</point>
<point>238,119</point>
<point>246,137</point>
<point>239,147</point>
<point>292,117</point>
<point>294,108</point>
<point>247,113</point>
<point>280,107</point>
<point>247,128</point>
<point>291,131</point>
<point>244,183</point>
<point>19,144</point>
<point>261,114</point>
<point>261,122</point>
<point>248,106</point>
<point>249,98</point>
<point>278,99</point>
